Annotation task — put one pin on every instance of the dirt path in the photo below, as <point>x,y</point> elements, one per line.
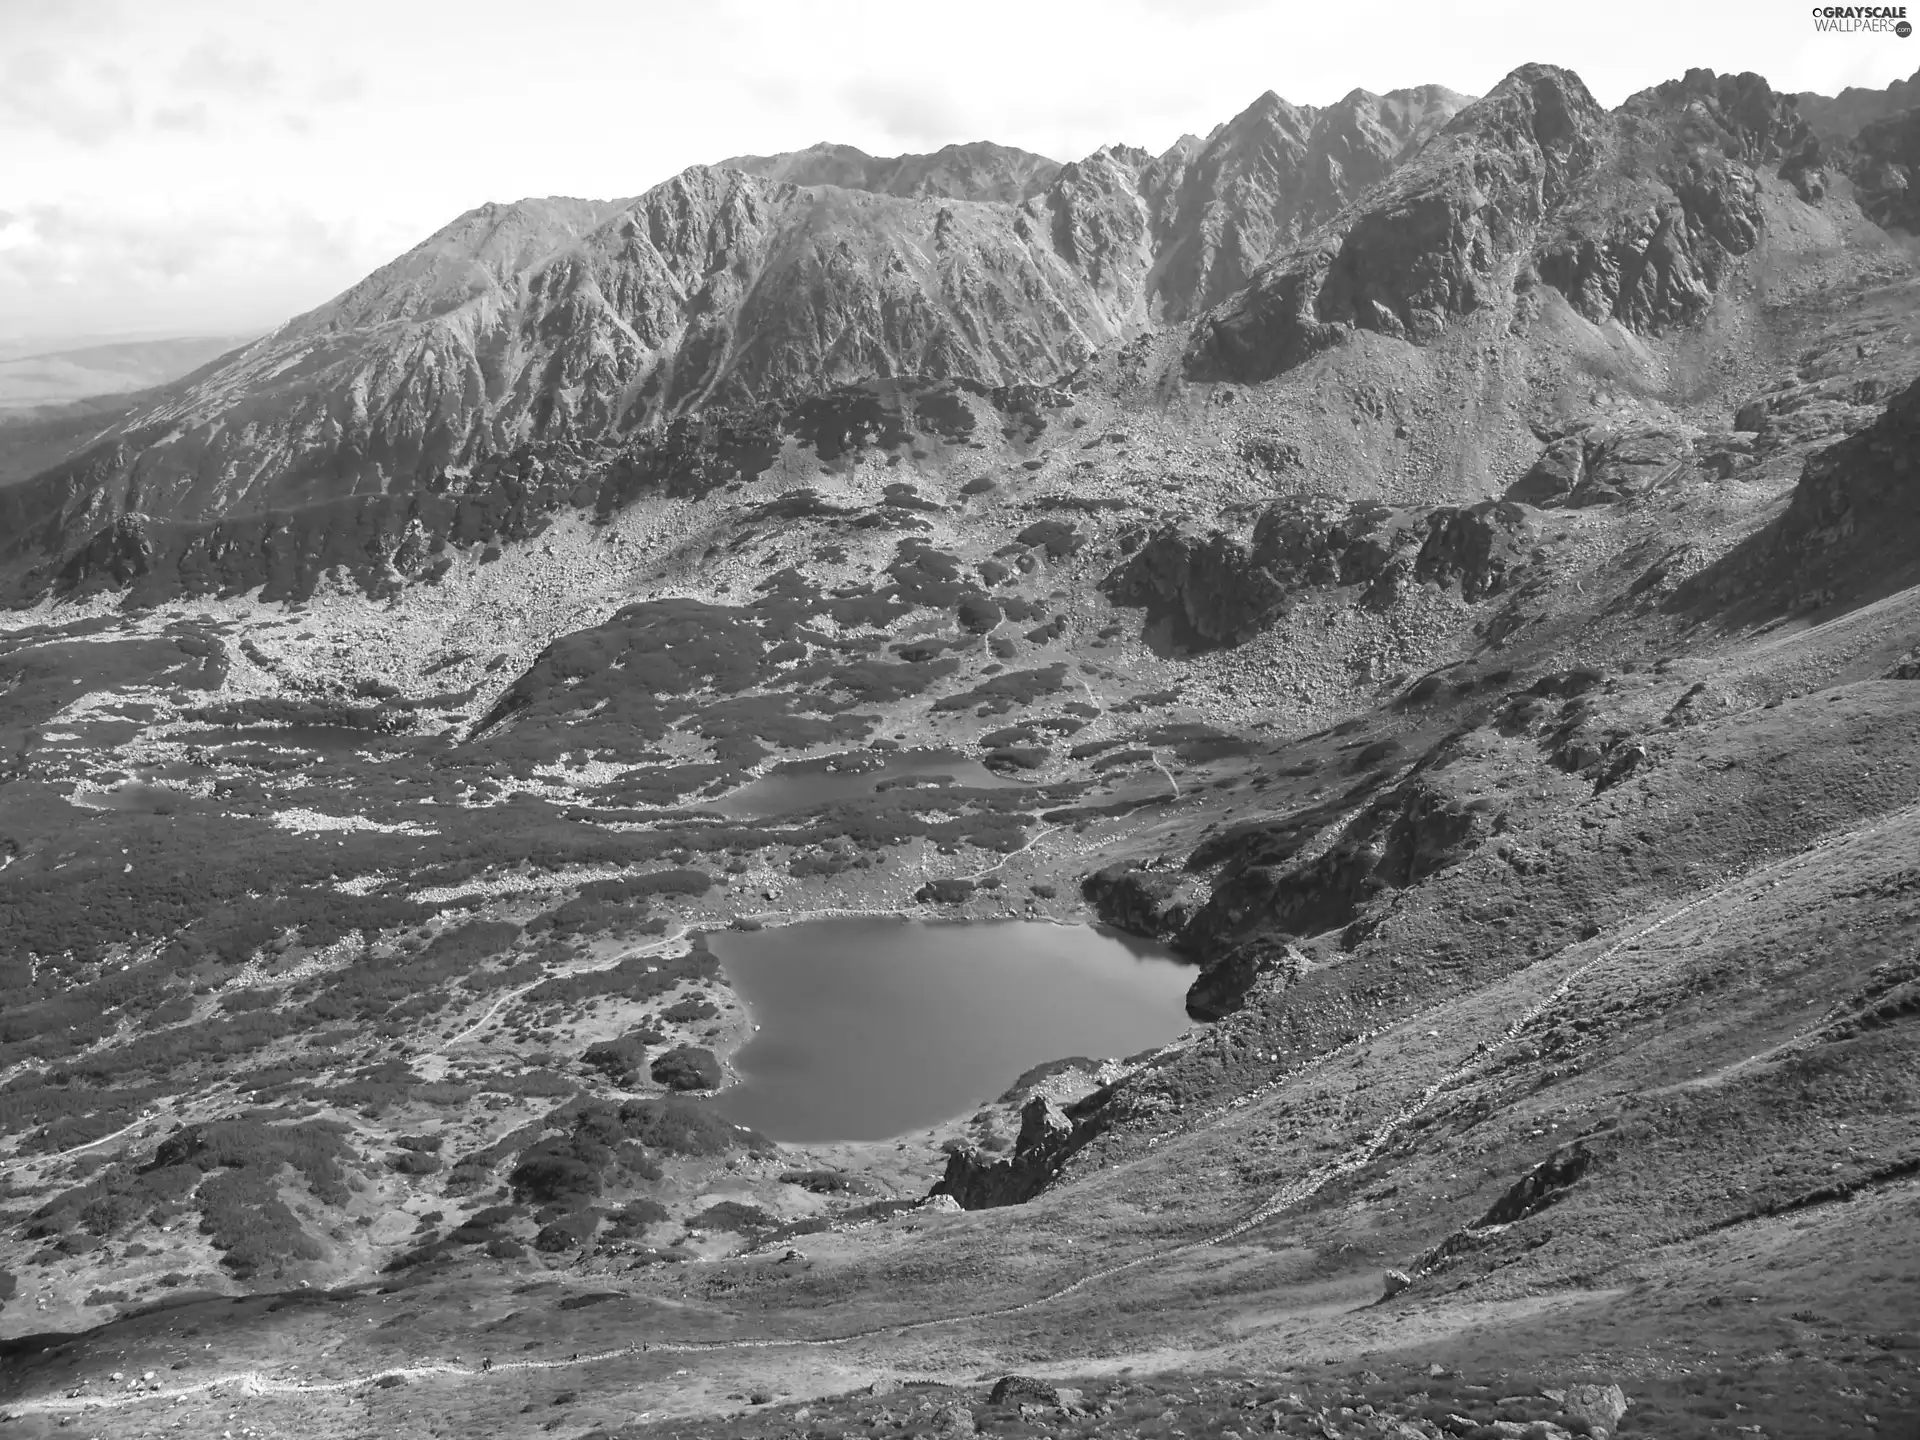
<point>1276,1203</point>
<point>17,1162</point>
<point>652,947</point>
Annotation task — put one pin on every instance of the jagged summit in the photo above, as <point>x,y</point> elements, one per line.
<point>766,278</point>
<point>1633,216</point>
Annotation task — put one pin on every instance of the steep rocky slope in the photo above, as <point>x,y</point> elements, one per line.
<point>1269,175</point>
<point>1490,666</point>
<point>1633,216</point>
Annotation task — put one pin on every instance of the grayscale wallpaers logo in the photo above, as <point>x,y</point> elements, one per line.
<point>1862,20</point>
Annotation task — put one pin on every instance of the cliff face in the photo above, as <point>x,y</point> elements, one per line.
<point>1269,175</point>
<point>1633,216</point>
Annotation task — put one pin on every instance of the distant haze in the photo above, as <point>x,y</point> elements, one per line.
<point>31,377</point>
<point>214,166</point>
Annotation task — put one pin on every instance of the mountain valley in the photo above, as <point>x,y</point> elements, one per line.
<point>1445,570</point>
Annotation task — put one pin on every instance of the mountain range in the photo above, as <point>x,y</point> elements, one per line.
<point>1445,570</point>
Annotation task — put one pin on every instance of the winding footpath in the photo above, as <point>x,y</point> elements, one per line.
<point>1294,1193</point>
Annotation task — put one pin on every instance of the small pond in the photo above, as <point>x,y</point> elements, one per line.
<point>133,797</point>
<point>874,1027</point>
<point>858,775</point>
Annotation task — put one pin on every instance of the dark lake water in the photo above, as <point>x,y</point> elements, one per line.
<point>873,1027</point>
<point>860,774</point>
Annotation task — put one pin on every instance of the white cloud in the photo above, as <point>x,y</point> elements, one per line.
<point>44,94</point>
<point>213,65</point>
<point>909,112</point>
<point>71,270</point>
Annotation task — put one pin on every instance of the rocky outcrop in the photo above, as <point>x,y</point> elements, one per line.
<point>1406,835</point>
<point>1207,586</point>
<point>1230,977</point>
<point>1540,1186</point>
<point>1850,531</point>
<point>1477,547</point>
<point>1884,162</point>
<point>1048,1136</point>
<point>1213,588</point>
<point>1601,464</point>
<point>1153,903</point>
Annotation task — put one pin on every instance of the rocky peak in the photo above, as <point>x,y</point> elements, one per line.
<point>1269,175</point>
<point>1635,216</point>
<point>1741,115</point>
<point>1544,119</point>
<point>1426,243</point>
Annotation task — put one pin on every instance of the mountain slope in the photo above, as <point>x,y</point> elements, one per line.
<point>572,321</point>
<point>1269,175</point>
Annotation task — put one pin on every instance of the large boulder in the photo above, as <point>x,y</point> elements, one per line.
<point>1477,547</point>
<point>1604,464</point>
<point>1022,1390</point>
<point>1554,476</point>
<point>1595,1404</point>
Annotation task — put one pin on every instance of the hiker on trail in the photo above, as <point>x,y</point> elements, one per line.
<point>487,1364</point>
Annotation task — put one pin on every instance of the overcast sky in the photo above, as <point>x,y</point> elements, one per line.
<point>206,166</point>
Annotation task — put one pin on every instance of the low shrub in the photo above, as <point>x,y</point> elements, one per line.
<point>687,1067</point>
